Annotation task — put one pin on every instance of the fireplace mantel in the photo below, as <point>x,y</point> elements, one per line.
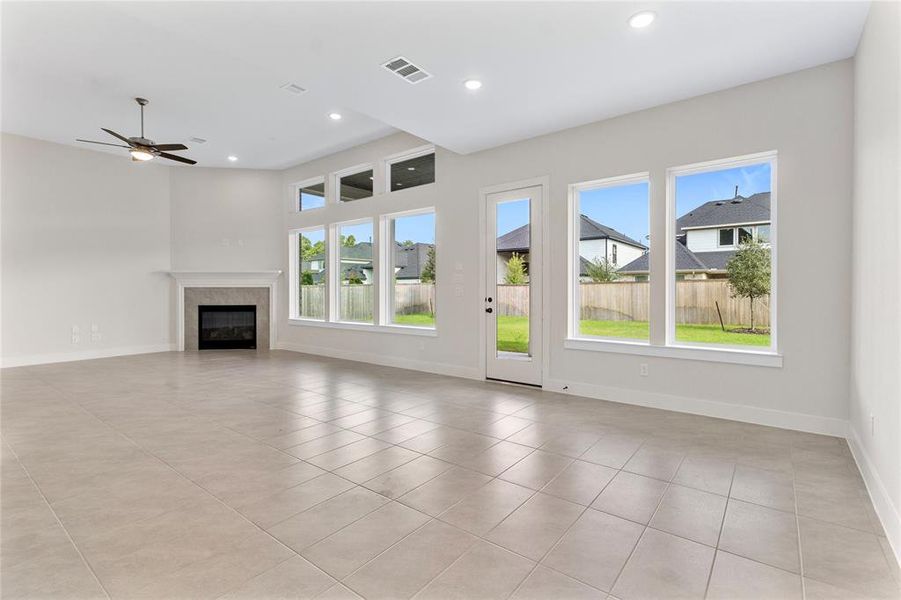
<point>223,279</point>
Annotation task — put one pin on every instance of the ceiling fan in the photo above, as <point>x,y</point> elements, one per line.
<point>141,148</point>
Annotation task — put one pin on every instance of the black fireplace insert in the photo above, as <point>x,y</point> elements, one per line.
<point>226,327</point>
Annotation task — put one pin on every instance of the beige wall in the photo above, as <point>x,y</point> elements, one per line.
<point>85,240</point>
<point>814,142</point>
<point>875,412</point>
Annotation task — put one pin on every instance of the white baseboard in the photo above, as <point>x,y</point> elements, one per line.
<point>58,357</point>
<point>707,408</point>
<point>385,361</point>
<point>886,510</point>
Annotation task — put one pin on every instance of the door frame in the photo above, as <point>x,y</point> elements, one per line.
<point>544,183</point>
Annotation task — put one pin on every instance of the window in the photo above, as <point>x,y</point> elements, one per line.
<point>610,258</point>
<point>311,194</point>
<point>727,237</point>
<point>411,170</point>
<point>354,185</point>
<point>411,259</point>
<point>722,297</point>
<point>312,274</point>
<point>355,272</point>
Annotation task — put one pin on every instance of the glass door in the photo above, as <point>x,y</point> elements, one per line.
<point>513,286</point>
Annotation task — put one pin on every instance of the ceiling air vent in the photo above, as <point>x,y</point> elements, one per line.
<point>406,70</point>
<point>196,140</point>
<point>293,88</point>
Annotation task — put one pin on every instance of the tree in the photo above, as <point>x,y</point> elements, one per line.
<point>749,273</point>
<point>516,270</point>
<point>306,278</point>
<point>352,276</point>
<point>348,241</point>
<point>428,269</point>
<point>408,243</point>
<point>601,270</point>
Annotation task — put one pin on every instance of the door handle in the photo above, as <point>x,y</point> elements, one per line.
<point>489,310</point>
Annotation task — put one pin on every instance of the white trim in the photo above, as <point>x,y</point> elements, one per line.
<point>725,225</point>
<point>704,353</point>
<point>59,357</point>
<point>296,187</point>
<point>386,361</point>
<point>889,514</point>
<point>249,279</point>
<point>574,236</point>
<point>406,155</point>
<point>336,181</point>
<point>709,408</point>
<point>372,328</point>
<point>386,249</point>
<point>770,157</point>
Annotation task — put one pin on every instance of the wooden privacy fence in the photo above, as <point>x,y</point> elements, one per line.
<point>628,301</point>
<point>614,301</point>
<point>355,302</point>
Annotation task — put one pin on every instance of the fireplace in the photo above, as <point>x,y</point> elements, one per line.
<point>223,326</point>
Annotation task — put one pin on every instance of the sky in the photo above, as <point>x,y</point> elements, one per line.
<point>624,208</point>
<point>694,190</point>
<point>418,228</point>
<point>511,215</point>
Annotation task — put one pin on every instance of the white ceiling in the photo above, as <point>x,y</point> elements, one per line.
<point>213,70</point>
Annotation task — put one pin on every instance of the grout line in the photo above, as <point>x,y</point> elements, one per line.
<point>719,535</point>
<point>37,488</point>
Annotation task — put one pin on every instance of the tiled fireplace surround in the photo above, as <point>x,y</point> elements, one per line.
<point>195,288</point>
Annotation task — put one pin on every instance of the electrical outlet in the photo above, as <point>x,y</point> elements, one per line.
<point>643,369</point>
<point>96,336</point>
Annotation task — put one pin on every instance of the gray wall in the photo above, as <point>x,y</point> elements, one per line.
<point>85,240</point>
<point>876,315</point>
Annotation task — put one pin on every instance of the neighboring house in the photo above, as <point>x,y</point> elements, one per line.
<point>357,260</point>
<point>596,242</point>
<point>708,236</point>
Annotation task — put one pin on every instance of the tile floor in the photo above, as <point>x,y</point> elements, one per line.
<point>280,475</point>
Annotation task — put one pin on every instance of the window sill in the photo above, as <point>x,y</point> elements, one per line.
<point>401,329</point>
<point>720,355</point>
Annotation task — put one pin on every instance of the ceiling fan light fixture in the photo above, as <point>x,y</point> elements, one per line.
<point>141,154</point>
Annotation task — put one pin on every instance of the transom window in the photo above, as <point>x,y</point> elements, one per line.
<point>355,185</point>
<point>310,194</point>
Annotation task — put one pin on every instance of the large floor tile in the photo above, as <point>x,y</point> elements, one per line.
<point>595,549</point>
<point>631,496</point>
<point>350,548</point>
<point>846,558</point>
<point>485,571</point>
<point>295,578</point>
<point>767,488</point>
<point>580,482</point>
<point>691,514</point>
<point>536,470</point>
<point>400,480</point>
<point>442,492</point>
<point>737,578</point>
<point>762,534</point>
<point>533,528</point>
<point>479,512</point>
<point>708,474</point>
<point>411,564</point>
<point>665,566</point>
<point>545,583</point>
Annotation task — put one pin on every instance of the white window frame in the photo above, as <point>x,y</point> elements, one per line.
<point>573,264</point>
<point>294,272</point>
<point>335,267</point>
<point>719,243</point>
<point>338,175</point>
<point>672,173</point>
<point>295,193</point>
<point>407,155</point>
<point>386,250</point>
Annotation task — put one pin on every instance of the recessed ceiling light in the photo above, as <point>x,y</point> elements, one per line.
<point>334,116</point>
<point>472,84</point>
<point>232,158</point>
<point>642,19</point>
<point>411,168</point>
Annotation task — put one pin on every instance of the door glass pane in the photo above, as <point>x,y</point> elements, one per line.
<point>512,276</point>
<point>355,286</point>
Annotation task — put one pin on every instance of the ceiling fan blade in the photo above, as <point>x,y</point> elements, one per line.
<point>177,158</point>
<point>116,135</point>
<point>169,147</point>
<point>103,143</point>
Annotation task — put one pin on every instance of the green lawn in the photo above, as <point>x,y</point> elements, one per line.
<point>513,332</point>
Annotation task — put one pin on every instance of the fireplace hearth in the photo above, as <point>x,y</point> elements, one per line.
<point>221,327</point>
